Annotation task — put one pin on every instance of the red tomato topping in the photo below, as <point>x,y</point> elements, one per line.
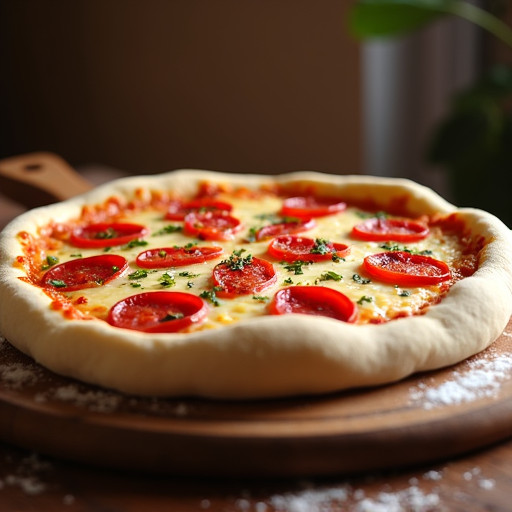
<point>177,256</point>
<point>212,225</point>
<point>243,276</point>
<point>295,248</point>
<point>381,229</point>
<point>285,228</point>
<point>106,234</point>
<point>158,312</point>
<point>314,300</point>
<point>84,272</point>
<point>178,210</point>
<point>406,269</point>
<point>310,206</point>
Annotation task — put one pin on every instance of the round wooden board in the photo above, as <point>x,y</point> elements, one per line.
<point>424,418</point>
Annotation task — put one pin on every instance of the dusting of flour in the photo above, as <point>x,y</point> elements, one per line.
<point>413,497</point>
<point>477,378</point>
<point>472,380</point>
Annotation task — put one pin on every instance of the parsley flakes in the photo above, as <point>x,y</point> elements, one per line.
<point>295,266</point>
<point>236,261</point>
<point>138,274</point>
<point>167,280</point>
<point>166,230</point>
<point>57,283</point>
<point>321,247</point>
<point>330,276</point>
<point>211,296</point>
<point>169,317</point>
<point>361,280</point>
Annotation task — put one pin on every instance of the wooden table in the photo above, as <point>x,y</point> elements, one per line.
<point>479,481</point>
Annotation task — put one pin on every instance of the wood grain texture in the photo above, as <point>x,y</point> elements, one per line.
<point>37,179</point>
<point>474,482</point>
<point>391,426</point>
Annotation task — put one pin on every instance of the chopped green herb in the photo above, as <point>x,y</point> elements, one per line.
<point>169,317</point>
<point>135,243</point>
<point>162,253</point>
<point>77,255</point>
<point>211,296</point>
<point>365,298</point>
<point>266,216</point>
<point>261,298</point>
<point>107,249</point>
<point>50,262</point>
<point>115,268</point>
<point>186,273</point>
<point>186,247</point>
<point>403,248</point>
<point>368,215</point>
<point>190,284</point>
<point>360,280</point>
<point>236,261</point>
<point>295,266</point>
<point>321,246</point>
<point>336,258</point>
<point>331,276</point>
<point>404,293</point>
<point>251,234</point>
<point>138,274</point>
<point>167,280</point>
<point>287,220</point>
<point>395,247</point>
<point>166,230</point>
<point>135,285</point>
<point>106,234</point>
<point>57,283</point>
<point>288,280</point>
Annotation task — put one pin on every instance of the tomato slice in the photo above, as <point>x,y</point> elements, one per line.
<point>177,256</point>
<point>285,228</point>
<point>294,248</point>
<point>212,225</point>
<point>84,272</point>
<point>178,209</point>
<point>381,229</point>
<point>106,234</point>
<point>311,206</point>
<point>158,312</point>
<point>251,277</point>
<point>406,269</point>
<point>314,300</point>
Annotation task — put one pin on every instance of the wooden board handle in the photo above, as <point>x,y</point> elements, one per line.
<point>37,179</point>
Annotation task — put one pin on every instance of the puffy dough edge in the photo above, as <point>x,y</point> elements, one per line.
<point>270,356</point>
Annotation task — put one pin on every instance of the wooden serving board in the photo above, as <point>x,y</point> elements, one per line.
<point>424,418</point>
<point>414,421</point>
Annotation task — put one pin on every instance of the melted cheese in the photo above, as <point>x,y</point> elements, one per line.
<point>377,302</point>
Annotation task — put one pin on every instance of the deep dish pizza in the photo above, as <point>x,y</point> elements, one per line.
<point>243,286</point>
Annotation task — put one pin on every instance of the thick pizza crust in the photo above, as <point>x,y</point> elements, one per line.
<point>269,356</point>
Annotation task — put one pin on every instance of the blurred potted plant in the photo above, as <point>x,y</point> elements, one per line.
<point>474,142</point>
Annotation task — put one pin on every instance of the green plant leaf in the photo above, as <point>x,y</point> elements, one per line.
<point>381,18</point>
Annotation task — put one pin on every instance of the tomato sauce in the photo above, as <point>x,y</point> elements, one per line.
<point>56,235</point>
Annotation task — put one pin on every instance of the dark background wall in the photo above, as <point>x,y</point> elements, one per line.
<point>147,86</point>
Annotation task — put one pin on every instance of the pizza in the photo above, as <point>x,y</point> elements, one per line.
<point>228,286</point>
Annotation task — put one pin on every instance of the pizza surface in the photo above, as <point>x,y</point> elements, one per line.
<point>246,286</point>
